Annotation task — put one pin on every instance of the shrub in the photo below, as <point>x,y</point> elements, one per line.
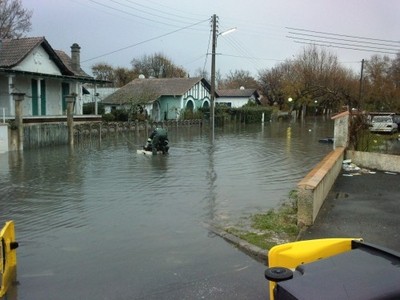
<point>108,117</point>
<point>89,108</point>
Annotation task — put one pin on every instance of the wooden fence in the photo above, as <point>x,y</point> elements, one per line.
<point>51,134</point>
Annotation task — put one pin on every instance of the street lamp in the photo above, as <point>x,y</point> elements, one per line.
<point>316,106</point>
<point>214,45</point>
<point>290,100</point>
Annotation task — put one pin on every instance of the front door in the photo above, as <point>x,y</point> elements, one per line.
<point>35,98</point>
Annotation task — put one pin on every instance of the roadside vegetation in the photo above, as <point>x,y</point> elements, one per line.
<point>248,114</point>
<point>361,139</point>
<point>274,227</point>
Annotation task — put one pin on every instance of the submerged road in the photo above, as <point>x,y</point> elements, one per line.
<point>99,221</point>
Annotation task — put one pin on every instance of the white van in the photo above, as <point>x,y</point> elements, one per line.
<point>383,124</point>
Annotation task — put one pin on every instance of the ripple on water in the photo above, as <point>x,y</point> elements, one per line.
<point>79,206</point>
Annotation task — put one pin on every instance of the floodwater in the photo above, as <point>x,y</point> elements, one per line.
<point>100,221</point>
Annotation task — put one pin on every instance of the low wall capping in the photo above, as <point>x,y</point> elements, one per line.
<point>313,178</point>
<point>315,186</point>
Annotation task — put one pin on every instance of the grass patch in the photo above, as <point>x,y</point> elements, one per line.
<point>266,230</point>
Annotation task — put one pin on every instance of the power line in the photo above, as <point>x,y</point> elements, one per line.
<point>175,9</point>
<point>241,49</point>
<point>250,57</point>
<point>145,41</point>
<point>131,14</point>
<point>341,39</point>
<point>344,35</point>
<point>148,13</point>
<point>342,47</point>
<point>333,44</point>
<point>162,11</point>
<point>208,49</point>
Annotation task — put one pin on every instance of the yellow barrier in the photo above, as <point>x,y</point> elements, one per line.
<point>291,255</point>
<point>8,256</point>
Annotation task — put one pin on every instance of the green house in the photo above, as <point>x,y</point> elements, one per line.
<point>161,98</point>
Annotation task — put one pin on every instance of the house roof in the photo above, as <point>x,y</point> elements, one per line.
<point>151,89</point>
<point>14,51</point>
<point>67,61</point>
<point>237,93</point>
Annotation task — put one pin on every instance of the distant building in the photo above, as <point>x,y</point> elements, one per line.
<point>97,94</point>
<point>237,97</point>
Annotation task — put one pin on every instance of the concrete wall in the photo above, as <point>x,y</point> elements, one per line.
<point>313,189</point>
<point>12,139</point>
<point>44,135</point>
<point>3,138</point>
<point>315,186</point>
<point>341,129</point>
<point>383,162</point>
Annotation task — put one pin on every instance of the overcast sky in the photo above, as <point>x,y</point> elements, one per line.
<point>268,32</point>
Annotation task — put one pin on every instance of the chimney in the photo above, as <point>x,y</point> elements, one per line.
<point>75,58</point>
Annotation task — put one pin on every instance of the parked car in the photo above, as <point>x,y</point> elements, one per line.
<point>384,124</point>
<point>396,119</point>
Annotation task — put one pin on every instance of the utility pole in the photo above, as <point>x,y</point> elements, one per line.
<point>214,44</point>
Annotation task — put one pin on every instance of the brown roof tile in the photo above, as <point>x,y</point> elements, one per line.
<point>66,60</point>
<point>152,89</point>
<point>13,51</point>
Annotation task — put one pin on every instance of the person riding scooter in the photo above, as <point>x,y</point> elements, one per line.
<point>157,141</point>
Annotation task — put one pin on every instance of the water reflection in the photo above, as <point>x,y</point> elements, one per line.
<point>98,213</point>
<point>211,177</point>
<point>289,139</point>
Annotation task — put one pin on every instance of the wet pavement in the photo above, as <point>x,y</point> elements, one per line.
<point>366,206</point>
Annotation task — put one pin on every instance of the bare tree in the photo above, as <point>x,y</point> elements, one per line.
<point>15,20</point>
<point>122,76</point>
<point>380,87</point>
<point>103,71</point>
<point>274,83</point>
<point>395,70</point>
<point>158,66</point>
<point>313,79</point>
<point>236,79</point>
<point>200,72</point>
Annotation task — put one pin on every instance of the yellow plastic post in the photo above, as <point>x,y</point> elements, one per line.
<point>8,256</point>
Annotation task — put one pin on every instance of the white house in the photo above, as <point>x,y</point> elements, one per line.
<point>237,97</point>
<point>93,94</point>
<point>46,76</point>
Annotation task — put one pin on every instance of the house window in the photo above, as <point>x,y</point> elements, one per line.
<point>224,104</point>
<point>190,106</point>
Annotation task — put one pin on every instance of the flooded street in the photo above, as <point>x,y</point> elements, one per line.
<point>102,222</point>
